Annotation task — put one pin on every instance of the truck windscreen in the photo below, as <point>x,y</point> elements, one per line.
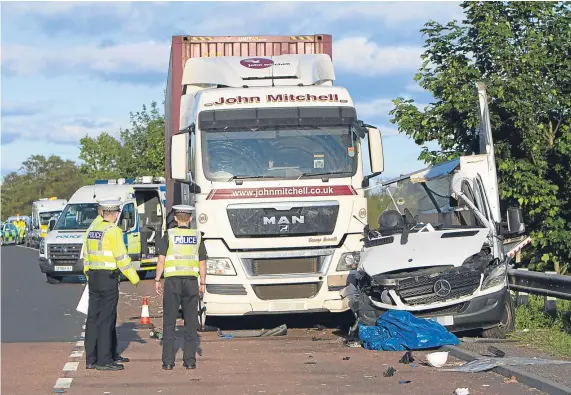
<point>77,216</point>
<point>284,143</point>
<point>46,215</point>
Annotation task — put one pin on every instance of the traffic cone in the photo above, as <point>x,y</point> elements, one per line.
<point>145,321</point>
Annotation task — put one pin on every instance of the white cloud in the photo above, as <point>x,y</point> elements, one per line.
<point>361,56</point>
<point>126,58</point>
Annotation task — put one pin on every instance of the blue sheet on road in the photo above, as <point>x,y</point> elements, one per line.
<point>398,330</point>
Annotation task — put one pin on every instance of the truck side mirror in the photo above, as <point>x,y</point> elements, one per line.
<point>376,157</point>
<point>515,221</point>
<point>180,164</point>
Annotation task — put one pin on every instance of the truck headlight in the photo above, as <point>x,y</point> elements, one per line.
<point>42,246</point>
<point>349,261</point>
<point>220,267</point>
<point>496,277</point>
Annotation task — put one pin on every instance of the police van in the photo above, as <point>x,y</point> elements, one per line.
<point>142,220</point>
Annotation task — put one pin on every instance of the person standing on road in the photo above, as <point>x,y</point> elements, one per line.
<point>105,257</point>
<point>182,256</point>
<point>92,352</point>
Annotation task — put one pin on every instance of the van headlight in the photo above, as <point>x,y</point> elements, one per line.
<point>496,277</point>
<point>220,267</point>
<point>42,246</point>
<point>349,261</point>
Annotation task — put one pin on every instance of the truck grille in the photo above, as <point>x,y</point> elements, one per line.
<point>64,254</point>
<point>423,289</point>
<point>302,265</point>
<point>286,291</point>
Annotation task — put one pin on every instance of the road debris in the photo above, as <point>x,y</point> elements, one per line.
<point>404,381</point>
<point>496,352</point>
<point>399,330</point>
<point>462,391</point>
<point>346,358</point>
<point>483,364</point>
<point>390,372</point>
<point>353,343</point>
<point>511,380</point>
<point>407,358</point>
<point>277,331</point>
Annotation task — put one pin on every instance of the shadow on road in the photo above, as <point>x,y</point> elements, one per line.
<point>127,334</point>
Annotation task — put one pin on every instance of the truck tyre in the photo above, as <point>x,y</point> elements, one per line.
<point>507,323</point>
<point>53,279</point>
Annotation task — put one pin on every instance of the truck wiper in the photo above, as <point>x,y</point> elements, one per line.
<point>242,177</point>
<point>330,173</point>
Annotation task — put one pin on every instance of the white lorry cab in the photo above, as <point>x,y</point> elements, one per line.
<point>439,250</point>
<point>272,159</point>
<point>42,211</point>
<point>142,220</point>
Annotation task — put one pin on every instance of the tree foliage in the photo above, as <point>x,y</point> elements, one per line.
<point>39,177</point>
<point>521,51</point>
<point>139,150</point>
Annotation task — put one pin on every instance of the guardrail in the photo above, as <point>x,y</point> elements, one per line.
<point>537,283</point>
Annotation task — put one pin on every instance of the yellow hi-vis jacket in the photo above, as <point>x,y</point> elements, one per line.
<point>95,222</point>
<point>105,250</point>
<point>182,253</point>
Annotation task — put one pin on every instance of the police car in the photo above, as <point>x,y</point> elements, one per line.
<point>10,234</point>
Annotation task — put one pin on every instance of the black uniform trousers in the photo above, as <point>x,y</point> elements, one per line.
<point>100,332</point>
<point>180,291</point>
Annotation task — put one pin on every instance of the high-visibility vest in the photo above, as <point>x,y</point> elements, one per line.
<point>182,253</point>
<point>105,250</point>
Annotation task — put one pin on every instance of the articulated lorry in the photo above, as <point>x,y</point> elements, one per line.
<point>142,220</point>
<point>270,153</point>
<point>42,211</point>
<point>440,250</point>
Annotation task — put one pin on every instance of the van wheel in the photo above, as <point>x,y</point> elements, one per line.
<point>53,279</point>
<point>507,323</point>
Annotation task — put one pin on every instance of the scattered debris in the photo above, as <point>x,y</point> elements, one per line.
<point>390,372</point>
<point>226,337</point>
<point>437,359</point>
<point>353,343</point>
<point>346,358</point>
<point>480,340</point>
<point>496,351</point>
<point>310,363</point>
<point>407,358</point>
<point>511,380</point>
<point>413,365</point>
<point>462,391</point>
<point>404,381</point>
<point>317,339</point>
<point>320,327</point>
<point>399,330</point>
<point>483,364</point>
<point>59,391</point>
<point>155,334</point>
<point>277,331</point>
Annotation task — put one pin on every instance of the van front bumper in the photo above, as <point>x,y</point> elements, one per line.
<point>47,267</point>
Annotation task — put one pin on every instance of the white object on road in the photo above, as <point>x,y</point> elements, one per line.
<point>84,301</point>
<point>462,391</point>
<point>437,359</point>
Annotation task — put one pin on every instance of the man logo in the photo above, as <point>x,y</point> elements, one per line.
<point>284,220</point>
<point>284,228</point>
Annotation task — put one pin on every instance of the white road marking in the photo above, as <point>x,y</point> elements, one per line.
<point>70,366</point>
<point>80,343</point>
<point>76,354</point>
<point>63,382</point>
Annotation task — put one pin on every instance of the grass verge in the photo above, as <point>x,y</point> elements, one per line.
<point>548,333</point>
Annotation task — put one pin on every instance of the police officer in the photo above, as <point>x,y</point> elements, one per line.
<point>105,256</point>
<point>182,256</point>
<point>92,352</point>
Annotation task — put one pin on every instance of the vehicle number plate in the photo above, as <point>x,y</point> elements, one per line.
<point>63,268</point>
<point>444,320</point>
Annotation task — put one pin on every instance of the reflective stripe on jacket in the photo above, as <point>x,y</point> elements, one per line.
<point>105,250</point>
<point>182,253</point>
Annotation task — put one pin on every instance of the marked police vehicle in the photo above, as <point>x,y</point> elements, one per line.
<point>142,219</point>
<point>42,211</point>
<point>9,234</point>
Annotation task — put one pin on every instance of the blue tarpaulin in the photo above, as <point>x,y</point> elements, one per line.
<point>398,330</point>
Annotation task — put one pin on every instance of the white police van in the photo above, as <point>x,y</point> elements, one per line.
<point>143,220</point>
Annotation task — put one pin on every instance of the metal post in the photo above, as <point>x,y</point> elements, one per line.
<point>549,302</point>
<point>522,298</point>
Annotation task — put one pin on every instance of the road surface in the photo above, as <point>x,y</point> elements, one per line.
<point>41,338</point>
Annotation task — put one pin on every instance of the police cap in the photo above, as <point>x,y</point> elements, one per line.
<point>183,208</point>
<point>110,205</point>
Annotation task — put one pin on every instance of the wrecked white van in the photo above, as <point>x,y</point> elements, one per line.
<point>439,249</point>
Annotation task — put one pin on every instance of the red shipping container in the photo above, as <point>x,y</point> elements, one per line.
<point>186,47</point>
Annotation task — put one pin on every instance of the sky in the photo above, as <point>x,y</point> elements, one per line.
<point>71,69</point>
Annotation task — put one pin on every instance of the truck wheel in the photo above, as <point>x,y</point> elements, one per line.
<point>53,279</point>
<point>507,323</point>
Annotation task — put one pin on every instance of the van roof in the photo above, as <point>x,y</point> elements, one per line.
<point>93,193</point>
<point>47,205</point>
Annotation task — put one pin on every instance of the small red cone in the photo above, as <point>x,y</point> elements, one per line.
<point>145,321</point>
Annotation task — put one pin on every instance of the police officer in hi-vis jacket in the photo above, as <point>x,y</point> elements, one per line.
<point>182,257</point>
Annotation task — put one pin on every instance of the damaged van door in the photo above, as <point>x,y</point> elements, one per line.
<point>438,251</point>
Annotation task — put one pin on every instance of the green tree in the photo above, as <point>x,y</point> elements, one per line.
<point>521,51</point>
<point>100,156</point>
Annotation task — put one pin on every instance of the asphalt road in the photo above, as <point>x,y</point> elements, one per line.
<point>32,309</point>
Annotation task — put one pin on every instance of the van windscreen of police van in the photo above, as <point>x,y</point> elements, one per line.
<point>77,216</point>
